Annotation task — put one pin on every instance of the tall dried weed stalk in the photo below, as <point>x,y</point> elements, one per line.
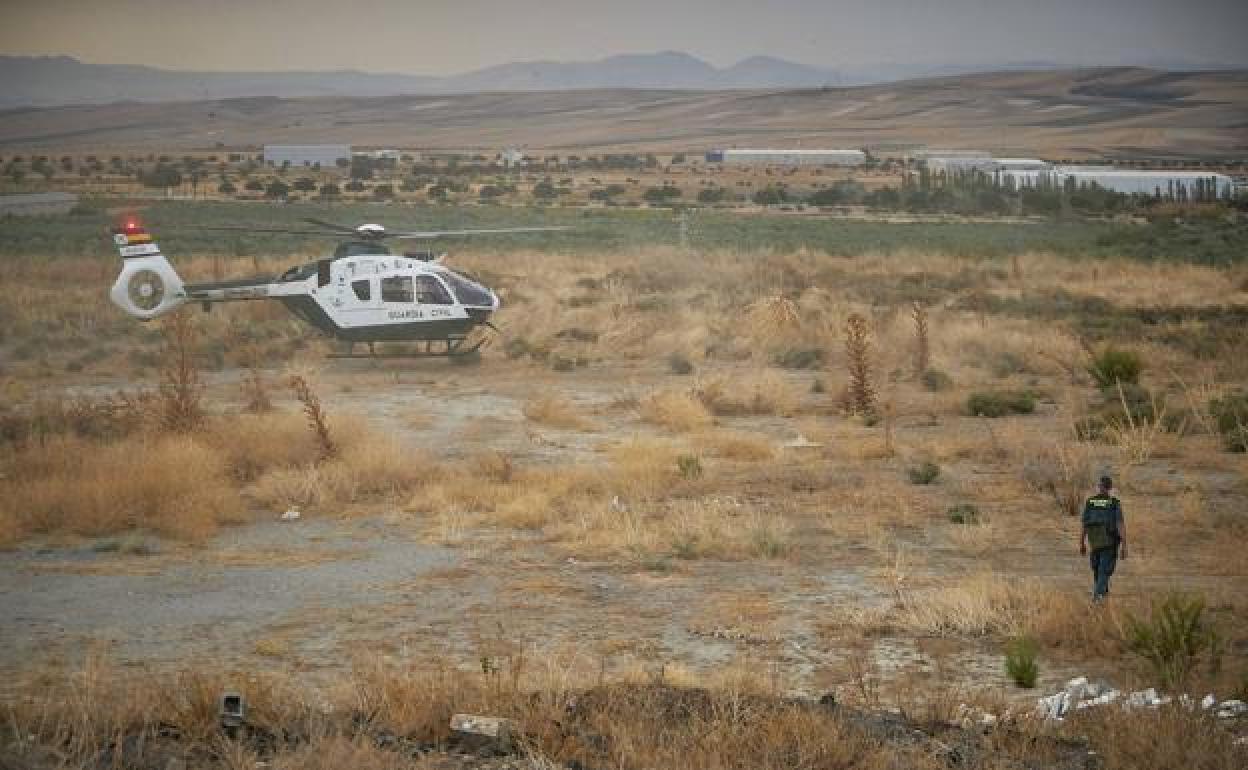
<point>860,394</point>
<point>922,342</point>
<point>316,416</point>
<point>255,389</point>
<point>181,390</point>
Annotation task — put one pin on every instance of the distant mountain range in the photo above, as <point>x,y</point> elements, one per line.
<point>59,80</point>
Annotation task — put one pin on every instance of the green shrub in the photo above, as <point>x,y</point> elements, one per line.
<point>1231,414</point>
<point>1174,638</point>
<point>1020,661</point>
<point>999,403</point>
<point>1113,366</point>
<point>925,473</point>
<point>964,513</point>
<point>562,363</point>
<point>800,358</point>
<point>690,467</point>
<point>935,380</point>
<point>679,363</point>
<point>516,347</point>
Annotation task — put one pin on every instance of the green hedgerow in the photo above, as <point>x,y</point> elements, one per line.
<point>999,403</point>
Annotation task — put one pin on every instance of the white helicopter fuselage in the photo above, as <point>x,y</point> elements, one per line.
<point>360,298</point>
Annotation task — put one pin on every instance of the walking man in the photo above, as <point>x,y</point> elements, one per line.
<point>1103,532</point>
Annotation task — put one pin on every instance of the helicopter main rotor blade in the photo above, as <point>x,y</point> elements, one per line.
<point>431,234</point>
<point>245,229</point>
<point>330,225</point>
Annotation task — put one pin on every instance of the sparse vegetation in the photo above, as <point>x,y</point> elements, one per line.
<point>1020,661</point>
<point>730,478</point>
<point>1113,367</point>
<point>1174,639</point>
<point>924,473</point>
<point>1000,403</point>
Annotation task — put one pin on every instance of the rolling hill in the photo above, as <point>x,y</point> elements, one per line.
<point>1059,113</point>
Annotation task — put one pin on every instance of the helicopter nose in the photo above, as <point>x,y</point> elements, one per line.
<point>496,302</point>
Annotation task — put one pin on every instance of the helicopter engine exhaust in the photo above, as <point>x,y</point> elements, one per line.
<point>148,286</point>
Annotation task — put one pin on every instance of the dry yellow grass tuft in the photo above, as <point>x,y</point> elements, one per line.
<point>737,445</point>
<point>763,391</point>
<point>675,410</point>
<point>556,413</point>
<point>175,486</point>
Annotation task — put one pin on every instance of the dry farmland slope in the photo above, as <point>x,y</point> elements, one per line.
<point>1065,113</point>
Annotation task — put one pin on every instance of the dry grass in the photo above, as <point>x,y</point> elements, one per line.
<point>374,717</point>
<point>556,412</point>
<point>737,445</point>
<point>175,486</point>
<point>676,410</point>
<point>757,392</point>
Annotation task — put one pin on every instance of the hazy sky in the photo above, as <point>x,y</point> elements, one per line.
<point>446,36</point>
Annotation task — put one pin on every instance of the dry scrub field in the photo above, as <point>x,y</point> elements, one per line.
<point>770,475</point>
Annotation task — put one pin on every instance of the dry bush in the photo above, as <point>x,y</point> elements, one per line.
<point>737,445</point>
<point>763,391</point>
<point>774,321</point>
<point>675,410</point>
<point>974,606</point>
<point>315,414</point>
<point>860,393</point>
<point>181,390</point>
<point>556,413</point>
<point>368,468</point>
<point>255,444</point>
<point>176,486</point>
<point>922,343</point>
<point>1061,469</point>
<point>643,469</point>
<point>1169,738</point>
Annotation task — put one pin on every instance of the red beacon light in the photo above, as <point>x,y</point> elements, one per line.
<point>133,226</point>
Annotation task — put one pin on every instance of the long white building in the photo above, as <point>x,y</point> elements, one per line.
<point>327,155</point>
<point>788,157</point>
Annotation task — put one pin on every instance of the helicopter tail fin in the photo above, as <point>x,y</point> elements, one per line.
<point>148,286</point>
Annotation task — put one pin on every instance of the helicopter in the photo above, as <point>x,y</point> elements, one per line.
<point>362,293</point>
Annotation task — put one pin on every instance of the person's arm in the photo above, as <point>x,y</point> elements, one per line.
<point>1083,532</point>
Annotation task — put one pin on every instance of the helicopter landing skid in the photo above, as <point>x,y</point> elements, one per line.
<point>450,348</point>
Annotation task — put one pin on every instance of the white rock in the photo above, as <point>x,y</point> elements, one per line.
<point>1229,709</point>
<point>801,442</point>
<point>988,720</point>
<point>1208,702</point>
<point>291,515</point>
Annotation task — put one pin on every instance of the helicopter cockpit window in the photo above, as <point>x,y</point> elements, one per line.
<point>430,291</point>
<point>468,292</point>
<point>362,290</point>
<point>397,288</point>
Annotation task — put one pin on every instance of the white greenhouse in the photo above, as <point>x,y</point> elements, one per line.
<point>325,155</point>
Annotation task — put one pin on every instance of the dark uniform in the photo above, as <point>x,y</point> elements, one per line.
<point>1102,525</point>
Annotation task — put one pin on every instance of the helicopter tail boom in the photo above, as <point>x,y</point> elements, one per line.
<point>147,286</point>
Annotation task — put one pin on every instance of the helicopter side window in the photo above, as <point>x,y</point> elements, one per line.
<point>430,291</point>
<point>397,288</point>
<point>362,289</point>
